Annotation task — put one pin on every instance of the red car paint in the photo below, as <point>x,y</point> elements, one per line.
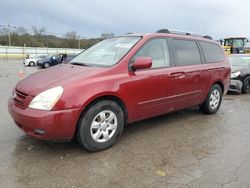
<point>144,93</point>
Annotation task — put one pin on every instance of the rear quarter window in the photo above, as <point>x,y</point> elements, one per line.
<point>212,52</point>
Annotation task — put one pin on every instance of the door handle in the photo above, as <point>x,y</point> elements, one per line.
<point>177,75</point>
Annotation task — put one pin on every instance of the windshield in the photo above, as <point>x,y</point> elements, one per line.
<point>238,43</point>
<point>107,52</point>
<point>238,62</point>
<point>48,57</point>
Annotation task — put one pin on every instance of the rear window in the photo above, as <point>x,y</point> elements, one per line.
<point>187,53</point>
<point>213,52</point>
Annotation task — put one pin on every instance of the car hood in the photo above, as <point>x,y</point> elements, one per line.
<point>244,70</point>
<point>54,76</point>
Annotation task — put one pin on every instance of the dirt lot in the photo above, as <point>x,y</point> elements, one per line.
<point>182,149</point>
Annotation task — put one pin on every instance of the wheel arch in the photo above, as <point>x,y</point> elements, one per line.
<point>220,83</point>
<point>245,76</point>
<point>95,100</point>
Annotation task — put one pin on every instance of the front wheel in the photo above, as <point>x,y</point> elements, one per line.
<point>101,126</point>
<point>213,100</point>
<point>246,85</point>
<point>46,65</point>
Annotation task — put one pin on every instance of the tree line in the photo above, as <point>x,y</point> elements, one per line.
<point>38,37</point>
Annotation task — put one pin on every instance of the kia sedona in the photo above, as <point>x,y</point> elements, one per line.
<point>118,81</point>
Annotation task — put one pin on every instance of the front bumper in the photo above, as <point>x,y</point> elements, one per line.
<point>26,63</point>
<point>45,125</point>
<point>235,86</point>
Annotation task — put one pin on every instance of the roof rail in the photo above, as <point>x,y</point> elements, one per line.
<point>183,33</point>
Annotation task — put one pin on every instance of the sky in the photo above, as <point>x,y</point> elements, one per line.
<point>91,18</point>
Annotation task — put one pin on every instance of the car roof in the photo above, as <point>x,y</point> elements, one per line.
<point>173,35</point>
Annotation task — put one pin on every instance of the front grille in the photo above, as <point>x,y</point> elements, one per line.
<point>19,99</point>
<point>232,87</point>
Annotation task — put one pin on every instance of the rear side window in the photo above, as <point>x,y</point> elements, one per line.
<point>187,53</point>
<point>213,52</point>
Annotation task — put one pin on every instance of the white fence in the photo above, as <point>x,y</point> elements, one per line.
<point>22,52</point>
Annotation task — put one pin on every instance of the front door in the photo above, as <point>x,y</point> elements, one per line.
<point>150,95</point>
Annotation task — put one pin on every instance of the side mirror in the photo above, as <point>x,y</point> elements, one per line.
<point>142,63</point>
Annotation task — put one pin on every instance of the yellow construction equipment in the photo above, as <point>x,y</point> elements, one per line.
<point>235,45</point>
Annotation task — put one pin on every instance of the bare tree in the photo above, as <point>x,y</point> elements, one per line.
<point>4,31</point>
<point>107,35</point>
<point>38,31</point>
<point>21,31</point>
<point>71,39</point>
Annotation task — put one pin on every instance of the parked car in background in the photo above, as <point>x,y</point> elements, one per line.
<point>240,76</point>
<point>69,57</point>
<point>51,60</point>
<point>33,61</point>
<point>118,81</point>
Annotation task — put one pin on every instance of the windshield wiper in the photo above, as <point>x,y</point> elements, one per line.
<point>80,64</point>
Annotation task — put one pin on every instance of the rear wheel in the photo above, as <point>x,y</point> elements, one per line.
<point>32,64</point>
<point>213,100</point>
<point>101,126</point>
<point>246,85</point>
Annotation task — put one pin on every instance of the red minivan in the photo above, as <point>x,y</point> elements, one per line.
<point>118,81</point>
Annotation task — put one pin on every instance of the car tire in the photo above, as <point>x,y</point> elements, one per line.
<point>213,100</point>
<point>246,85</point>
<point>32,64</point>
<point>101,126</point>
<point>46,65</point>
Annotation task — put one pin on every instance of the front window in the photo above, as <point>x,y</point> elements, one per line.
<point>157,49</point>
<point>107,52</point>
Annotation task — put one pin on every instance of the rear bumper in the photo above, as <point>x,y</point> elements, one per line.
<point>235,86</point>
<point>45,125</point>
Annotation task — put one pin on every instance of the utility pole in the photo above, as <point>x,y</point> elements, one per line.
<point>8,27</point>
<point>9,34</point>
<point>79,42</point>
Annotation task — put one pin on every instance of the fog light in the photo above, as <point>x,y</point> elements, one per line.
<point>39,131</point>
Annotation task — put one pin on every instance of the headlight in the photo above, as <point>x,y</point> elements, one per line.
<point>47,99</point>
<point>235,74</point>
